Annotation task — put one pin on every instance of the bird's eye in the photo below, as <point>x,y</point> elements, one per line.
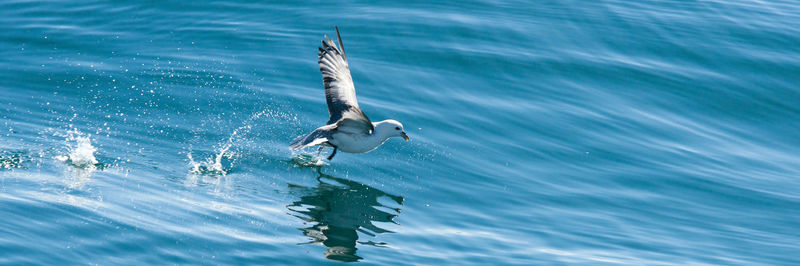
<point>397,128</point>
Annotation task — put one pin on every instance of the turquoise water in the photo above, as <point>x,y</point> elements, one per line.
<point>638,132</point>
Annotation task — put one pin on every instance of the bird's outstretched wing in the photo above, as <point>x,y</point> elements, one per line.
<point>340,93</point>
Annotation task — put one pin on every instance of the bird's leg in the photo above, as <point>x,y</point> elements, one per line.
<point>320,150</point>
<point>332,154</point>
<point>334,151</point>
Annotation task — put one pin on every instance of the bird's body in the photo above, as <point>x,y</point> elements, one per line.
<point>360,143</point>
<point>348,128</point>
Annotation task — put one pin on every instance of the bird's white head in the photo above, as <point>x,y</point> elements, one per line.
<point>390,128</point>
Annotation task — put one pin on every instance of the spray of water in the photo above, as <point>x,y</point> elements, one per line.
<point>214,165</point>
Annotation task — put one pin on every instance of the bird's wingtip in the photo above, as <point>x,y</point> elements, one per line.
<point>339,38</point>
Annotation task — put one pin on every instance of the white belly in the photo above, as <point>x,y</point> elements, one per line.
<point>355,143</point>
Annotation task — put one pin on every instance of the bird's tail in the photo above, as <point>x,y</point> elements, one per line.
<point>314,138</point>
<point>298,142</point>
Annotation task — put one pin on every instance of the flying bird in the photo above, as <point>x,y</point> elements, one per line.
<point>348,128</point>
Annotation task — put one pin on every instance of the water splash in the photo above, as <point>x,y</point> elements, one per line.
<point>81,156</point>
<point>214,165</point>
<point>80,149</point>
<point>211,166</point>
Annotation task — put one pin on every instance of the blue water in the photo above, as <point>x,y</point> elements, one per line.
<point>621,132</point>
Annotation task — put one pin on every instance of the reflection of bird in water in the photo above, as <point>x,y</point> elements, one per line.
<point>340,209</point>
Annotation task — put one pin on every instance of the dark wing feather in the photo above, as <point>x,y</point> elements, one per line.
<point>353,126</point>
<point>340,93</point>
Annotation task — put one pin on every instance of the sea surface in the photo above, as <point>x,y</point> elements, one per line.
<point>542,132</point>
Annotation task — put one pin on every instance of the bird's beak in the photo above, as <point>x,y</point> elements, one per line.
<point>405,137</point>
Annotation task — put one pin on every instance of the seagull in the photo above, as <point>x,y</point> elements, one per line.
<point>348,128</point>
